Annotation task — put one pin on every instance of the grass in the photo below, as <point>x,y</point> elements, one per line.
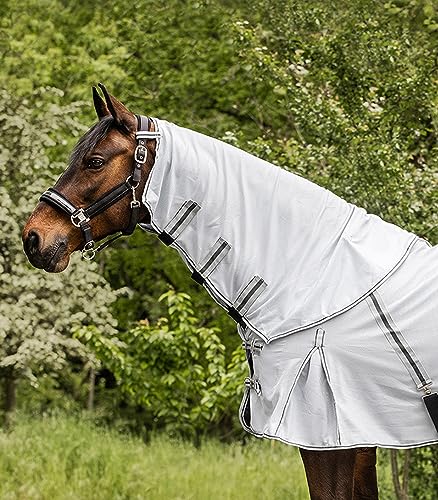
<point>66,458</point>
<point>63,458</point>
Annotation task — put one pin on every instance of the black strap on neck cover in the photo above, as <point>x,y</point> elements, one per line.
<point>81,217</point>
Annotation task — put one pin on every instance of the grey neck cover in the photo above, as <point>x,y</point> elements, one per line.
<point>278,252</point>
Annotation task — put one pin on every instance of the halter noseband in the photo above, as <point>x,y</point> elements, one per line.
<point>81,217</point>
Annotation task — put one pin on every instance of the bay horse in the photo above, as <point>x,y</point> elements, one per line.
<point>99,196</point>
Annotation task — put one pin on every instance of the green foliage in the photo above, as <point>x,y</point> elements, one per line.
<point>146,267</point>
<point>344,93</point>
<point>38,311</point>
<point>175,369</point>
<point>359,118</point>
<point>421,14</point>
<point>423,483</point>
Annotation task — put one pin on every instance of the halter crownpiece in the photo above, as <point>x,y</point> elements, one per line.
<point>80,217</point>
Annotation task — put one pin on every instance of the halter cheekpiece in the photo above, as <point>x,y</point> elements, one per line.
<point>81,217</point>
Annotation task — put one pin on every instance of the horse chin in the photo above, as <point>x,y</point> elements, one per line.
<point>59,266</point>
<point>57,259</point>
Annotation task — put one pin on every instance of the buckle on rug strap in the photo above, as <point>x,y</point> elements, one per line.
<point>252,383</point>
<point>254,346</point>
<point>426,387</point>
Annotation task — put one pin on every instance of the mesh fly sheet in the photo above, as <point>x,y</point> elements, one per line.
<point>339,339</point>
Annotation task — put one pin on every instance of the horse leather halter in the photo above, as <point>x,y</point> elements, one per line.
<point>81,217</point>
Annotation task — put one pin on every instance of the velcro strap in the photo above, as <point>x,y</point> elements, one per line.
<point>166,238</point>
<point>235,314</point>
<point>246,299</point>
<point>180,220</point>
<point>218,251</point>
<point>214,257</point>
<point>198,277</point>
<point>250,293</point>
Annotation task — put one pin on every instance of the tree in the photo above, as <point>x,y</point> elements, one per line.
<point>359,118</point>
<point>38,311</point>
<point>175,370</point>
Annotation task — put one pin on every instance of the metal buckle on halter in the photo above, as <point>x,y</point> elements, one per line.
<point>254,384</point>
<point>140,154</point>
<point>79,217</point>
<point>131,183</point>
<point>88,252</point>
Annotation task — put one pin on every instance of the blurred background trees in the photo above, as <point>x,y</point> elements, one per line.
<point>344,93</point>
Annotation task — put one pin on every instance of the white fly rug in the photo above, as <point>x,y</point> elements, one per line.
<point>337,308</point>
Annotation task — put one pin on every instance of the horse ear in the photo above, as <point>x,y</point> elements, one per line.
<point>99,105</point>
<point>124,119</point>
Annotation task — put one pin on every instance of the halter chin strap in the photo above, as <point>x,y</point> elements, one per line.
<point>81,217</point>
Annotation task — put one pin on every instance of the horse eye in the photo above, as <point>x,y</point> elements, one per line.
<point>94,163</point>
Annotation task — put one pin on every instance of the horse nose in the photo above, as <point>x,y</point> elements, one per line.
<point>32,243</point>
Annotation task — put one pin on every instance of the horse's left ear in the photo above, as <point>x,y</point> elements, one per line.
<point>99,105</point>
<point>125,120</point>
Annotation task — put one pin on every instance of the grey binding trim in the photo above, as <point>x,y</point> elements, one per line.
<point>398,342</point>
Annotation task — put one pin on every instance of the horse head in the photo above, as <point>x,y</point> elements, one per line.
<point>96,196</point>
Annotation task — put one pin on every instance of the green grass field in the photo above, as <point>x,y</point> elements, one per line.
<point>66,458</point>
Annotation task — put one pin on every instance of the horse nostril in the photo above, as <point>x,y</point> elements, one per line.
<point>32,242</point>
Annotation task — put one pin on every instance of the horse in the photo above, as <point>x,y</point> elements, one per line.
<point>99,197</point>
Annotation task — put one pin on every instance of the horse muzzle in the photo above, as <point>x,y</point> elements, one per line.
<point>52,258</point>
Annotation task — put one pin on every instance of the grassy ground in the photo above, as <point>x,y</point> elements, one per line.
<point>65,458</point>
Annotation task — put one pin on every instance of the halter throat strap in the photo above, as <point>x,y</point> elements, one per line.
<point>81,216</point>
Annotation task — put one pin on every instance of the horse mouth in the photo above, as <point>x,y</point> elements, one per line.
<point>54,257</point>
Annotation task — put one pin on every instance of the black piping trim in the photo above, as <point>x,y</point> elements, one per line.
<point>294,383</point>
<point>395,335</point>
<point>222,301</point>
<point>245,412</point>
